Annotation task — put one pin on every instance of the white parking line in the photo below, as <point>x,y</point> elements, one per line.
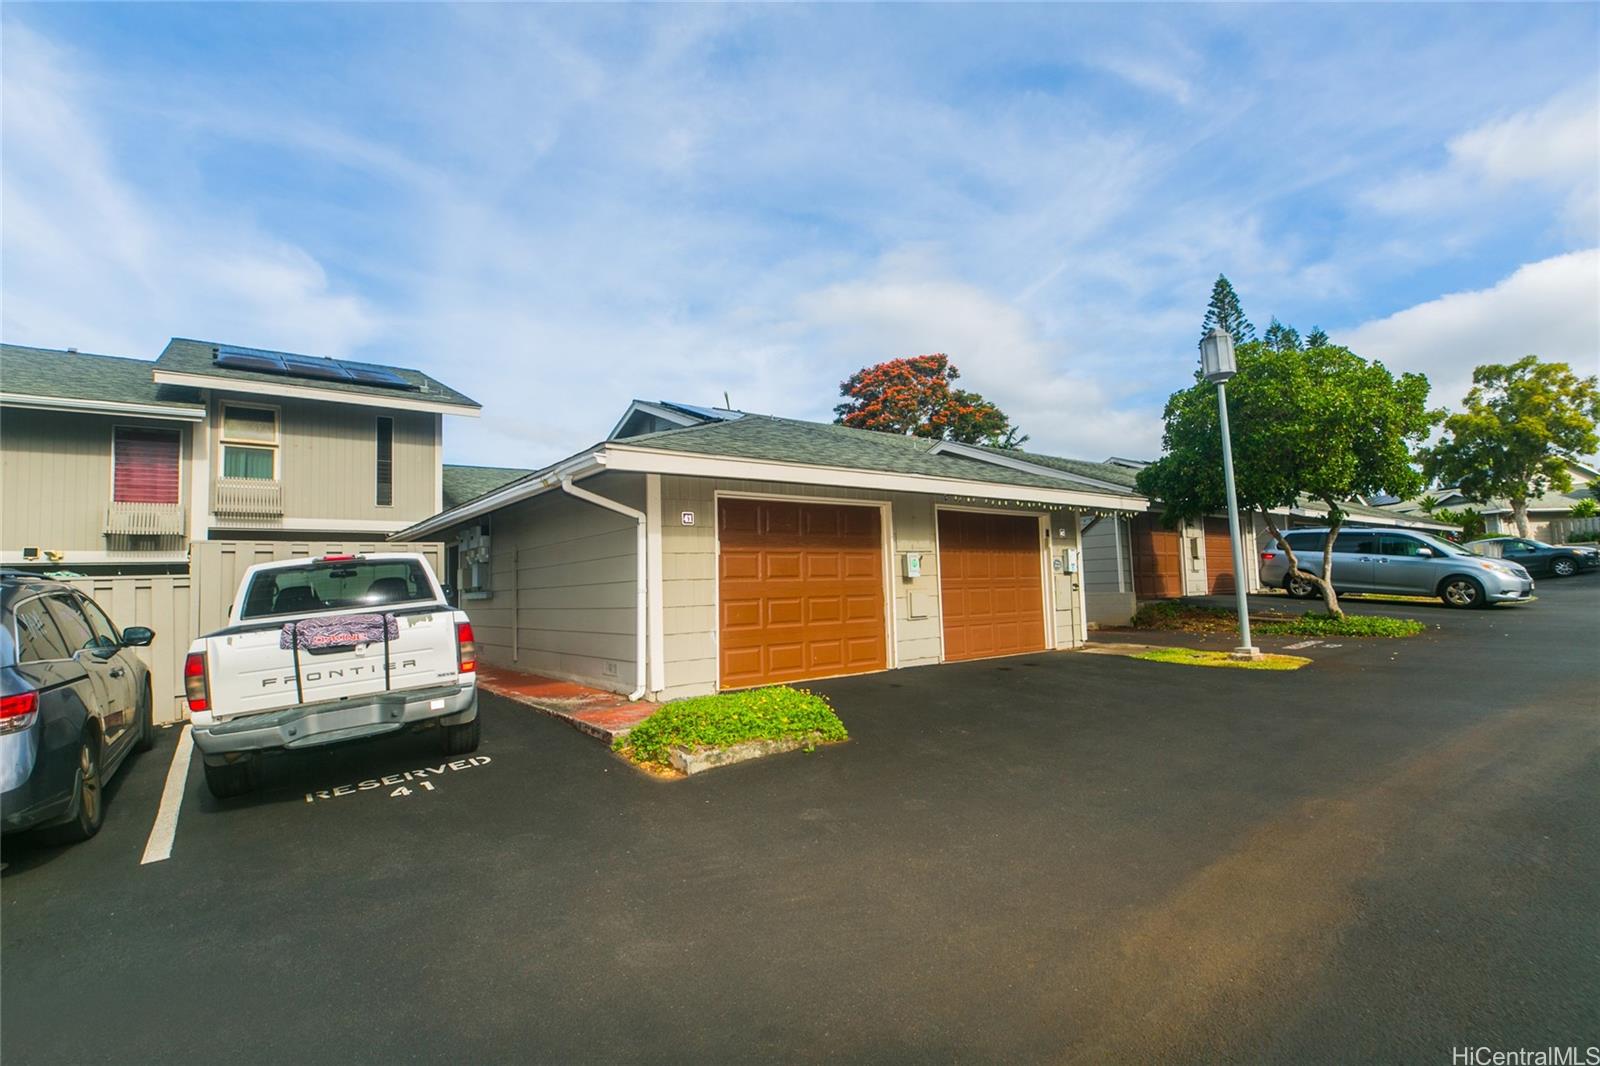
<point>159,846</point>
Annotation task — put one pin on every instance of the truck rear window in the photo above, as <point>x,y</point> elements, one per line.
<point>335,586</point>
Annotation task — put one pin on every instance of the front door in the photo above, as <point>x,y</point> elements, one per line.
<point>1353,561</point>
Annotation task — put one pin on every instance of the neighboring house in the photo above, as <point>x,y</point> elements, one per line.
<point>1549,516</point>
<point>463,483</point>
<point>738,549</point>
<point>111,462</point>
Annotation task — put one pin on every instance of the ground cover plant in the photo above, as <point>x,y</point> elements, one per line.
<point>1196,657</point>
<point>727,718</point>
<point>1178,617</point>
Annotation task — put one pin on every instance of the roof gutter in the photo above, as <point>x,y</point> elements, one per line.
<point>640,593</point>
<point>183,413</point>
<point>540,481</point>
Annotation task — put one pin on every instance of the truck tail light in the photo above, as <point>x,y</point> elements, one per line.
<point>337,558</point>
<point>17,712</point>
<point>466,649</point>
<point>195,689</point>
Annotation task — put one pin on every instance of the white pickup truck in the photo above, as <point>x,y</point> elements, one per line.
<point>323,650</point>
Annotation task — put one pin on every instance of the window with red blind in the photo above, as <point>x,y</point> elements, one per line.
<point>145,465</point>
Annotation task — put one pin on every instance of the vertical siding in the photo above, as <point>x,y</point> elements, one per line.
<point>1064,586</point>
<point>564,580</point>
<point>1109,601</point>
<point>328,456</point>
<point>55,477</point>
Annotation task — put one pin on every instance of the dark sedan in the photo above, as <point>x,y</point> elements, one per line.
<point>74,703</point>
<point>1539,558</point>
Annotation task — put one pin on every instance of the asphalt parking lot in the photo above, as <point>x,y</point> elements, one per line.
<point>1058,857</point>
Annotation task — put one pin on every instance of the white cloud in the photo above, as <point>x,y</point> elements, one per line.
<point>1550,309</point>
<point>1554,147</point>
<point>998,347</point>
<point>94,262</point>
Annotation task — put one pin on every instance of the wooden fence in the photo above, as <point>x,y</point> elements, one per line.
<point>180,607</point>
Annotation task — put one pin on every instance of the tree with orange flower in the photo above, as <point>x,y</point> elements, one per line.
<point>914,397</point>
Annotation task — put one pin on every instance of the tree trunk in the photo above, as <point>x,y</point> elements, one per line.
<point>1323,581</point>
<point>1330,598</point>
<point>1519,512</point>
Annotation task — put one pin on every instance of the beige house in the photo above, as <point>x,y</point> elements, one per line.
<point>109,463</point>
<point>159,482</point>
<point>697,549</point>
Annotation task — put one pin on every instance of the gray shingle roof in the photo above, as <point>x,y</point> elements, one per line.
<point>81,376</point>
<point>1116,475</point>
<point>463,483</point>
<point>786,440</point>
<point>186,356</point>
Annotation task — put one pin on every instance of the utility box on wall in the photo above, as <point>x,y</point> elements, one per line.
<point>912,565</point>
<point>476,582</point>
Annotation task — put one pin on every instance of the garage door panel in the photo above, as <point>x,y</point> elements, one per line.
<point>1219,556</point>
<point>817,581</point>
<point>991,587</point>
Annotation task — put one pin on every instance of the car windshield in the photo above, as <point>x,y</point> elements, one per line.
<point>1442,546</point>
<point>336,585</point>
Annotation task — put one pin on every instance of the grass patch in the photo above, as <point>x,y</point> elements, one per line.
<point>1351,625</point>
<point>1174,617</point>
<point>1195,657</point>
<point>775,713</point>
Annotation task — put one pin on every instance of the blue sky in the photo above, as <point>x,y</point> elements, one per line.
<point>556,209</point>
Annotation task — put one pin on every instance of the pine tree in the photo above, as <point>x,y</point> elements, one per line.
<point>1225,311</point>
<point>1281,338</point>
<point>1316,338</point>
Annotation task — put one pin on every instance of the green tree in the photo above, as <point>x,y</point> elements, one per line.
<point>1316,338</point>
<point>1522,422</point>
<point>1429,503</point>
<point>1586,508</point>
<point>1280,337</point>
<point>1322,423</point>
<point>915,397</point>
<point>1224,311</point>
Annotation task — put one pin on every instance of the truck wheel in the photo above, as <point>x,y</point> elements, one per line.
<point>88,797</point>
<point>231,779</point>
<point>461,739</point>
<point>147,725</point>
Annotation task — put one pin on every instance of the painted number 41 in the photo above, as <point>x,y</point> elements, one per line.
<point>405,790</point>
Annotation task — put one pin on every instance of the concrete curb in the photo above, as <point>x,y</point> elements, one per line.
<point>694,762</point>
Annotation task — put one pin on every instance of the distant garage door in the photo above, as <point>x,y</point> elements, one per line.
<point>1157,559</point>
<point>800,591</point>
<point>991,591</point>
<point>1219,556</point>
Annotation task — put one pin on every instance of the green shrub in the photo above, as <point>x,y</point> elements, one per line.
<point>1183,617</point>
<point>1318,624</point>
<point>775,713</point>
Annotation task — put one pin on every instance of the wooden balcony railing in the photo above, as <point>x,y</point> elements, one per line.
<point>145,519</point>
<point>243,498</point>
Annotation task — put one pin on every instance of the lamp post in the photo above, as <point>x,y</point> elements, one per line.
<point>1217,365</point>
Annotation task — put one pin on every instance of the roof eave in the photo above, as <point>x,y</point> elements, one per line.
<point>174,412</point>
<point>577,466</point>
<point>399,401</point>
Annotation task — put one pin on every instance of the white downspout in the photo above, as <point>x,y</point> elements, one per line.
<point>639,517</point>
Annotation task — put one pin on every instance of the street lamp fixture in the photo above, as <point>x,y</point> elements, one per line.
<point>1217,365</point>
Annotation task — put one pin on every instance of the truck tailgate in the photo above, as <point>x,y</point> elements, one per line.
<point>251,672</point>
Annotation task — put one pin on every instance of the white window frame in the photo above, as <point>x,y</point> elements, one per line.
<point>224,442</point>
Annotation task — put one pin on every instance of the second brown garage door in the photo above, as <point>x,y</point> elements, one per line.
<point>799,590</point>
<point>991,591</point>
<point>1157,559</point>
<point>1219,556</point>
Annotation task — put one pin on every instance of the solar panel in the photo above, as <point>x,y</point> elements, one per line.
<point>268,362</point>
<point>368,374</point>
<point>308,366</point>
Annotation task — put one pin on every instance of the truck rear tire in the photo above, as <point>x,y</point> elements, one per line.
<point>460,739</point>
<point>231,779</point>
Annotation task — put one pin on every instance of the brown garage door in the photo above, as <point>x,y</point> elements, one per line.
<point>1219,556</point>
<point>991,592</point>
<point>800,591</point>
<point>1157,559</point>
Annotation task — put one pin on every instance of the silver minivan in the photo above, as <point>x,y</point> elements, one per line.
<point>1398,562</point>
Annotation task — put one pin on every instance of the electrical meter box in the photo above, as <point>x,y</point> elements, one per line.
<point>913,564</point>
<point>1069,559</point>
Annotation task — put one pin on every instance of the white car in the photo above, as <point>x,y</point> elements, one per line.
<point>325,650</point>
